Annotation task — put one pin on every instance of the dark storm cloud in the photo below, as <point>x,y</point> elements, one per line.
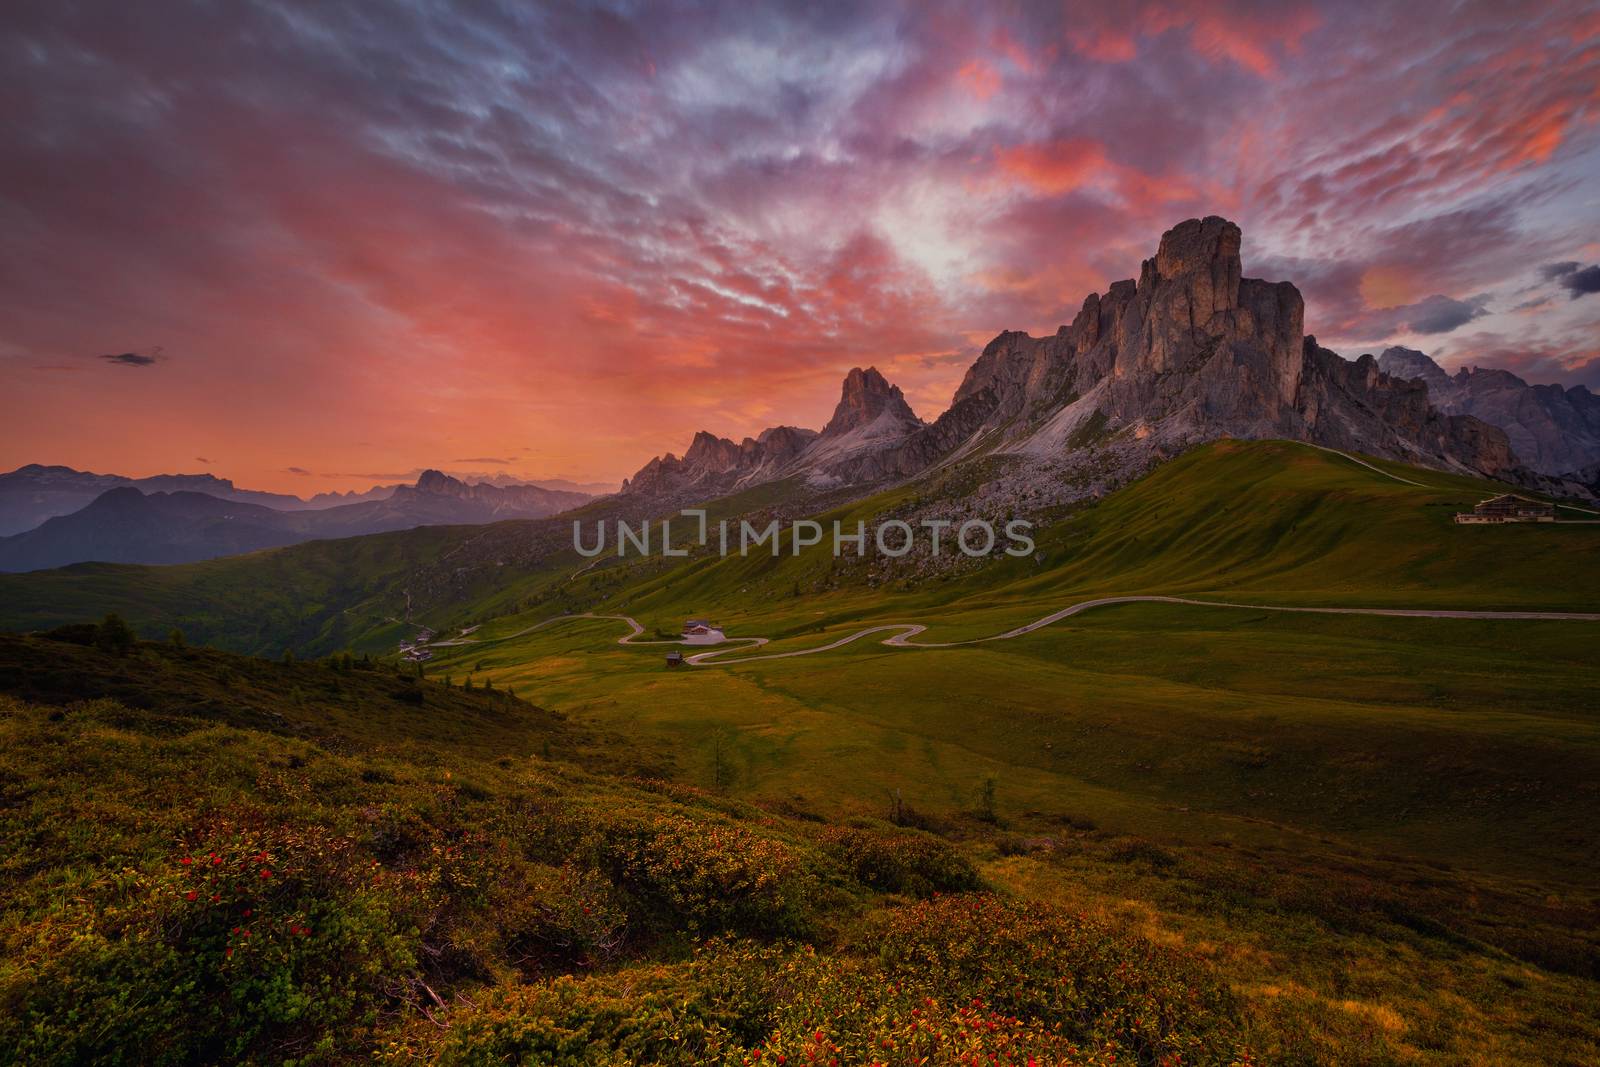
<point>1441,314</point>
<point>132,359</point>
<point>1577,279</point>
<point>1582,282</point>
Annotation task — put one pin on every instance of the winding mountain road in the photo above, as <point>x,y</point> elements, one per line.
<point>901,633</point>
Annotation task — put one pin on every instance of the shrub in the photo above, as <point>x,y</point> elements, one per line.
<point>901,863</point>
<point>704,877</point>
<point>246,943</point>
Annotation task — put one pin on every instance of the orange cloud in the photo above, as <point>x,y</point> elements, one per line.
<point>981,80</point>
<point>1387,287</point>
<point>1247,38</point>
<point>1055,167</point>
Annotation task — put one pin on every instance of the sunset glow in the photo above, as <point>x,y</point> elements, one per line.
<point>344,245</point>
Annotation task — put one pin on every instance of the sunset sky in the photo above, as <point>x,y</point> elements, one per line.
<point>314,246</point>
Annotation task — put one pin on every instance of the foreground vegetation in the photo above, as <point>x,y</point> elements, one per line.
<point>182,888</point>
<point>1150,834</point>
<point>261,878</point>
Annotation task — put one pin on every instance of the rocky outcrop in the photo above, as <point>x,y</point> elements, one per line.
<point>715,464</point>
<point>1189,352</point>
<point>1551,429</point>
<point>1357,407</point>
<point>867,398</point>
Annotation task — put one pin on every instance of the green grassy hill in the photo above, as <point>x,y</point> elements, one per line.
<point>275,879</point>
<point>1282,522</point>
<point>1285,522</point>
<point>1149,833</point>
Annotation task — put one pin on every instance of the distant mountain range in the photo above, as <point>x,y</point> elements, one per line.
<point>1189,352</point>
<point>1554,430</point>
<point>134,523</point>
<point>29,495</point>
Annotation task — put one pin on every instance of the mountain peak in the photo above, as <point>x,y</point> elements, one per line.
<point>1198,244</point>
<point>865,397</point>
<point>432,481</point>
<point>1409,363</point>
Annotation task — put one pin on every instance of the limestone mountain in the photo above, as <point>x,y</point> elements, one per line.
<point>1189,352</point>
<point>714,465</point>
<point>1552,429</point>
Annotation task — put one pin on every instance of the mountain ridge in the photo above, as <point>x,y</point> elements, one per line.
<point>127,525</point>
<point>1555,430</point>
<point>1190,351</point>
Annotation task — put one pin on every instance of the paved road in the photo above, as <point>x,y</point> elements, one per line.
<point>901,633</point>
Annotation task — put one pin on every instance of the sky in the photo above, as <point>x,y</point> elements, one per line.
<point>319,245</point>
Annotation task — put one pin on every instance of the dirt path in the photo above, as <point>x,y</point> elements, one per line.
<point>901,633</point>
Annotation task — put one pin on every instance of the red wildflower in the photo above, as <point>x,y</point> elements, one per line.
<point>186,861</point>
<point>265,873</point>
<point>191,895</point>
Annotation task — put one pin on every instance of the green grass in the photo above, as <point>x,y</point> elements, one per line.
<point>1281,522</point>
<point>180,884</point>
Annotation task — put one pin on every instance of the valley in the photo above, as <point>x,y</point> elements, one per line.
<point>1250,705</point>
<point>566,533</point>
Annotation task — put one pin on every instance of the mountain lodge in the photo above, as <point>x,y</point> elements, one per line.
<point>1508,507</point>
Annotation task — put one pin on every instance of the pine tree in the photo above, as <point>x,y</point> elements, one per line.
<point>114,635</point>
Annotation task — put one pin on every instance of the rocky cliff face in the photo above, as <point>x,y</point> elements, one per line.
<point>867,398</point>
<point>1189,352</point>
<point>715,464</point>
<point>1551,429</point>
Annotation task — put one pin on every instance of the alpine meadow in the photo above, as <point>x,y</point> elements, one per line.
<point>1205,675</point>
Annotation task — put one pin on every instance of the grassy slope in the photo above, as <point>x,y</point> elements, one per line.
<point>1410,798</point>
<point>429,897</point>
<point>1281,522</point>
<point>179,885</point>
<point>1448,738</point>
<point>1413,764</point>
